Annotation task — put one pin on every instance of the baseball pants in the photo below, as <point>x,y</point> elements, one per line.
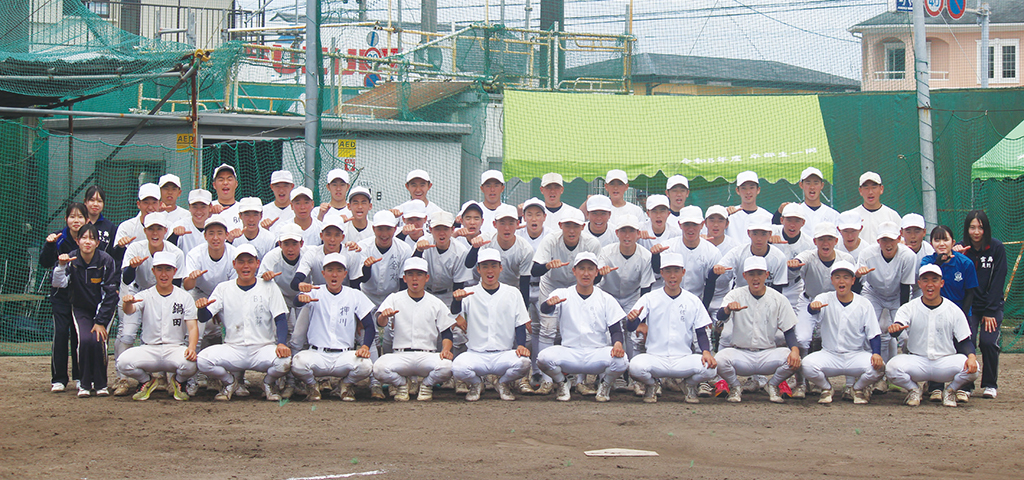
<point>889,307</point>
<point>820,365</point>
<point>139,362</point>
<point>392,368</point>
<point>558,360</point>
<point>128,325</point>
<point>907,370</point>
<point>308,364</point>
<point>770,361</point>
<point>805,324</point>
<point>63,332</point>
<point>645,368</point>
<point>222,361</point>
<point>92,354</point>
<point>471,366</point>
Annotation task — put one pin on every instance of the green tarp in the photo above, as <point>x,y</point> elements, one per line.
<point>1004,160</point>
<point>699,136</point>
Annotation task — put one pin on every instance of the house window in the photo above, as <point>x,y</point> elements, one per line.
<point>895,60</point>
<point>1003,61</point>
<point>99,7</point>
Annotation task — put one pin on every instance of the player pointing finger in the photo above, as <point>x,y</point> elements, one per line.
<point>123,241</point>
<point>137,261</point>
<point>794,263</point>
<point>864,271</point>
<point>461,293</point>
<point>268,275</point>
<point>555,300</point>
<point>734,307</point>
<point>721,269</point>
<point>204,302</point>
<point>556,263</point>
<point>634,314</point>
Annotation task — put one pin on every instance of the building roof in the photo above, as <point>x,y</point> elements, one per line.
<point>660,67</point>
<point>1002,11</point>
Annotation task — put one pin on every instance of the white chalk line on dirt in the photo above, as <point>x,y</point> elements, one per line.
<point>341,475</point>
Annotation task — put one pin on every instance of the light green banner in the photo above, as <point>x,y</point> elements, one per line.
<point>585,135</point>
<point>1004,160</point>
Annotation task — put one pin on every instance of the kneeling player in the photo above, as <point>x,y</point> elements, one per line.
<point>332,329</point>
<point>255,320</point>
<point>939,337</point>
<point>848,324</point>
<point>494,319</point>
<point>584,314</point>
<point>168,316</point>
<point>673,318</point>
<point>419,319</point>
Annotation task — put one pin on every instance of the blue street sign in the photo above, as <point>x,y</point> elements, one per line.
<point>957,8</point>
<point>904,5</point>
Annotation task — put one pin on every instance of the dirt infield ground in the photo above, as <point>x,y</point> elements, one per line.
<point>60,436</point>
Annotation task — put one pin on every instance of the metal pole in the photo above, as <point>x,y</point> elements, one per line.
<point>502,14</point>
<point>45,112</point>
<point>983,12</point>
<point>528,9</point>
<point>924,118</point>
<point>312,93</point>
<point>194,84</point>
<point>400,26</point>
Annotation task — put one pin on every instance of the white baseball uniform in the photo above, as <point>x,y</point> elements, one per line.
<point>353,234</point>
<point>626,209</point>
<point>488,215</point>
<point>553,247</point>
<point>633,274</point>
<point>192,239</point>
<point>232,215</point>
<point>672,230</point>
<point>554,217</point>
<point>340,213</point>
<point>931,339</point>
<point>814,216</point>
<point>144,279</point>
<point>516,262</point>
<point>606,238</point>
<point>584,323</point>
<point>164,336</point>
<point>817,279</point>
<point>778,271</point>
<point>724,282</point>
<point>671,330</point>
<point>447,268</point>
<point>925,250</point>
<point>220,270</point>
<point>274,261</point>
<point>752,349</point>
<point>698,261</point>
<point>330,333</point>
<point>790,248</point>
<point>282,214</point>
<point>846,331</point>
<point>491,321</point>
<point>312,259</point>
<point>882,286</point>
<point>264,241</point>
<point>310,235</point>
<point>738,223</point>
<point>417,327</point>
<point>385,275</point>
<point>872,218</point>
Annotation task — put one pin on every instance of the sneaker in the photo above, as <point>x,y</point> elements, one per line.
<point>604,390</point>
<point>751,384</point>
<point>474,392</point>
<point>145,390</point>
<point>414,385</point>
<point>988,393</point>
<point>691,394</point>
<point>963,396</point>
<point>721,388</point>
<point>650,392</point>
<point>773,393</point>
<point>861,397</point>
<point>914,397</point>
<point>620,385</point>
<point>936,396</point>
<point>523,386</point>
<point>880,387</point>
<point>225,393</point>
<point>192,386</point>
<point>288,391</point>
<point>813,389</point>
<point>402,393</point>
<point>800,391</point>
<point>705,390</point>
<point>564,390</point>
<point>348,392</point>
<point>426,393</point>
<point>490,382</point>
<point>585,389</point>
<point>639,389</point>
<point>270,394</point>
<point>825,397</point>
<point>461,388</point>
<point>785,390</point>
<point>377,392</point>
<point>103,392</point>
<point>504,391</point>
<point>121,387</point>
<point>242,390</point>
<point>545,388</point>
<point>848,393</point>
<point>313,393</point>
<point>83,393</point>
<point>448,384</point>
<point>735,394</point>
<point>176,391</point>
<point>949,398</point>
<point>56,387</point>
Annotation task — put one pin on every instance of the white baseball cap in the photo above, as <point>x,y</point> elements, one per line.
<point>585,257</point>
<point>755,263</point>
<point>384,218</point>
<point>415,263</point>
<point>717,210</point>
<point>442,219</point>
<point>415,209</point>
<point>654,201</point>
<point>825,229</point>
<point>421,174</point>
<point>850,219</point>
<point>809,172</point>
<point>870,177</point>
<point>247,249</point>
<point>299,191</point>
<point>217,219</point>
<point>913,220</point>
<point>671,259</point>
<point>289,231</point>
<point>675,180</point>
<point>250,204</point>
<point>281,176</point>
<point>492,175</point>
<point>627,220</point>
<point>200,196</point>
<point>149,190</point>
<point>169,178</point>
<point>223,167</point>
<point>888,230</point>
<point>488,255</point>
<point>165,258</point>
<point>359,191</point>
<point>550,178</point>
<point>690,214</point>
<point>599,203</point>
<point>506,211</point>
<point>468,204</point>
<point>155,218</point>
<point>616,175</point>
<point>333,221</point>
<point>747,176</point>
<point>930,268</point>
<point>842,265</point>
<point>337,173</point>
<point>574,216</point>
<point>534,202</point>
<point>793,210</point>
<point>760,222</point>
<point>336,257</point>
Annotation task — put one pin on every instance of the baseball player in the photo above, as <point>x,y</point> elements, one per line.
<point>302,207</point>
<point>850,225</point>
<point>584,314</point>
<point>492,185</point>
<point>358,228</point>
<point>872,212</point>
<point>815,267</point>
<point>812,181</point>
<point>616,183</point>
<point>938,341</point>
<point>658,229</point>
<point>851,340</point>
<point>170,190</point>
<point>748,187</point>
<point>311,265</point>
<point>790,238</point>
<point>756,313</point>
<point>599,211</point>
<point>446,260</point>
<point>251,211</point>
<point>417,183</point>
<point>698,254</point>
<point>338,185</point>
<point>414,220</point>
<point>759,232</point>
<point>280,266</point>
<point>334,312</point>
<point>255,322</point>
<point>494,318</point>
<point>281,183</point>
<point>673,318</point>
<point>225,183</point>
<point>418,319</point>
<point>130,230</point>
<point>716,222</point>
<point>207,266</point>
<point>170,333</point>
<point>677,189</point>
<point>471,218</point>
<point>533,234</point>
<point>188,234</point>
<point>912,232</point>
<point>554,209</point>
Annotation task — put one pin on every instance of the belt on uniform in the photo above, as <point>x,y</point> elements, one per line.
<point>438,292</point>
<point>328,350</point>
<point>405,350</point>
<point>805,295</point>
<point>535,284</point>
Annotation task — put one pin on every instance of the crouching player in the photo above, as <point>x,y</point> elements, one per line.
<point>848,325</point>
<point>255,320</point>
<point>334,312</point>
<point>673,317</point>
<point>168,317</point>
<point>494,318</point>
<point>938,339</point>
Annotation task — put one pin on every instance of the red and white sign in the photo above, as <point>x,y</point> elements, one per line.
<point>934,7</point>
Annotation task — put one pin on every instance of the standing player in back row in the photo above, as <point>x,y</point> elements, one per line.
<point>748,188</point>
<point>872,211</point>
<point>812,181</point>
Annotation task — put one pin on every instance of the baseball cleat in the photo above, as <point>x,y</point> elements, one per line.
<point>752,384</point>
<point>564,390</point>
<point>176,391</point>
<point>414,385</point>
<point>241,389</point>
<point>784,390</point>
<point>989,393</point>
<point>721,388</point>
<point>225,393</point>
<point>825,397</point>
<point>348,392</point>
<point>523,386</point>
<point>862,397</point>
<point>813,389</point>
<point>671,384</point>
<point>800,391</point>
<point>639,389</point>
<point>880,387</point>
<point>121,387</point>
<point>426,393</point>
<point>735,394</point>
<point>504,391</point>
<point>191,387</point>
<point>584,387</point>
<point>773,393</point>
<point>56,387</point>
<point>545,388</point>
<point>269,393</point>
<point>376,392</point>
<point>691,394</point>
<point>103,392</point>
<point>963,396</point>
<point>604,390</point>
<point>83,393</point>
<point>475,390</point>
<point>936,396</point>
<point>313,393</point>
<point>448,384</point>
<point>848,393</point>
<point>145,390</point>
<point>914,397</point>
<point>650,393</point>
<point>461,387</point>
<point>948,398</point>
<point>705,390</point>
<point>621,385</point>
<point>402,393</point>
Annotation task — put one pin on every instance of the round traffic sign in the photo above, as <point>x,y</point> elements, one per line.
<point>934,7</point>
<point>372,38</point>
<point>371,79</point>
<point>956,8</point>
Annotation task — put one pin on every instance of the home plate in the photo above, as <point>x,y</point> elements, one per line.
<point>620,452</point>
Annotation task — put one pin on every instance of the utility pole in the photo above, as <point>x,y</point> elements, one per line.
<point>924,118</point>
<point>983,13</point>
<point>312,94</point>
